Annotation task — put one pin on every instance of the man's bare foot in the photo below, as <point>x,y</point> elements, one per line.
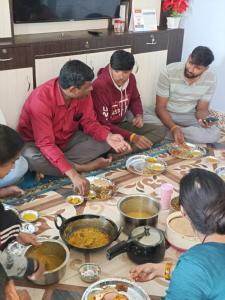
<point>116,156</point>
<point>98,163</point>
<point>39,176</point>
<point>11,190</point>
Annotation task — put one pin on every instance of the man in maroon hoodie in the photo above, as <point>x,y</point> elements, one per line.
<point>60,128</point>
<point>114,93</point>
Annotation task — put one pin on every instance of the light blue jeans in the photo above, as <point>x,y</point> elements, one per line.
<point>14,176</point>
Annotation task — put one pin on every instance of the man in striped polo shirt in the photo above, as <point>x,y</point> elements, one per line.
<point>182,102</point>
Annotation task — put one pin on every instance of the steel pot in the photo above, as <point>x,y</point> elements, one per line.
<point>72,224</point>
<point>49,248</point>
<point>145,244</point>
<point>141,204</point>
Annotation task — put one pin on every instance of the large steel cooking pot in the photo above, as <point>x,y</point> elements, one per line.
<point>145,244</point>
<point>49,248</point>
<point>71,225</point>
<point>138,204</point>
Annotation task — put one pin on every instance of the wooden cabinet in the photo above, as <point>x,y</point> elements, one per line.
<point>5,23</point>
<point>147,70</point>
<point>16,85</point>
<point>30,60</point>
<point>48,68</point>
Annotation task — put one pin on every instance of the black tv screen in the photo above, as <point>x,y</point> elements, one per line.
<point>33,11</point>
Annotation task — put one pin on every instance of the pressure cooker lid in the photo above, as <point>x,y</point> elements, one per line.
<point>147,235</point>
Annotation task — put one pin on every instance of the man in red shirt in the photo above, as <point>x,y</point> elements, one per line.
<point>114,93</point>
<point>60,128</point>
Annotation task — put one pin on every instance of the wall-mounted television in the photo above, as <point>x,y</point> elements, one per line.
<point>34,11</point>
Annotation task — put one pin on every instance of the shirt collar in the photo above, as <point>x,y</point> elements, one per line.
<point>60,100</point>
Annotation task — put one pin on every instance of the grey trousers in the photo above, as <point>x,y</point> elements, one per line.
<point>190,127</point>
<point>154,133</point>
<point>80,149</point>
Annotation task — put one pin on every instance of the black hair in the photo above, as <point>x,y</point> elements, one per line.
<point>75,73</point>
<point>10,144</point>
<point>122,60</point>
<point>202,195</point>
<point>202,56</point>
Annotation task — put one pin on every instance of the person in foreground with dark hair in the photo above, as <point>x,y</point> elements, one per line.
<point>60,128</point>
<point>199,272</point>
<point>114,93</point>
<point>13,265</point>
<point>183,96</point>
<point>12,147</point>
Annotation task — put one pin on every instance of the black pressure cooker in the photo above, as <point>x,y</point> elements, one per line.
<point>145,244</point>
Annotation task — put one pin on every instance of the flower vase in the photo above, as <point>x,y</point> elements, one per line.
<point>173,22</point>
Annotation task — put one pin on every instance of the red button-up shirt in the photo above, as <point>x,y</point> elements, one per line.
<point>47,121</point>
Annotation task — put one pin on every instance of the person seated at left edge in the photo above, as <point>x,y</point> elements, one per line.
<point>115,94</point>
<point>60,128</point>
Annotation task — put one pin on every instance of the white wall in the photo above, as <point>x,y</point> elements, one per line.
<point>204,24</point>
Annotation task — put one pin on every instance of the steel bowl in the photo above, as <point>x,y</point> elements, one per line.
<point>48,248</point>
<point>142,205</point>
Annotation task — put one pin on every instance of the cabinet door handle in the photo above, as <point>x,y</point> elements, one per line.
<point>152,43</point>
<point>6,59</point>
<point>137,68</point>
<point>28,85</point>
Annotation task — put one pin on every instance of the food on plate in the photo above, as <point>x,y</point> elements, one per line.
<point>88,237</point>
<point>29,216</point>
<point>100,189</point>
<point>196,153</point>
<point>120,297</point>
<point>156,167</point>
<point>139,214</point>
<point>182,226</point>
<point>74,200</point>
<point>211,159</point>
<point>151,159</point>
<point>121,287</point>
<point>185,151</point>
<point>175,204</point>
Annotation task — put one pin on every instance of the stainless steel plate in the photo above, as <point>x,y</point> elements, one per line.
<point>145,165</point>
<point>101,188</point>
<point>134,291</point>
<point>191,151</point>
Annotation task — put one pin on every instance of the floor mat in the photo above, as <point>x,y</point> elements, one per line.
<point>35,188</point>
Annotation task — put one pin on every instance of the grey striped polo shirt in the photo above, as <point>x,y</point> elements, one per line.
<point>183,97</point>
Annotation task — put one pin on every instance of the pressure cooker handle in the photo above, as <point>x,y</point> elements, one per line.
<point>62,221</point>
<point>117,249</point>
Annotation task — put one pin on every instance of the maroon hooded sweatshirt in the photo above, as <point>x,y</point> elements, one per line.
<point>112,102</point>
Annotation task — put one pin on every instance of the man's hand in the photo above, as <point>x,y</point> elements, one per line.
<point>142,142</point>
<point>138,121</point>
<point>39,273</point>
<point>204,123</point>
<point>147,271</point>
<point>28,239</point>
<point>116,141</point>
<point>79,182</point>
<point>11,190</point>
<point>178,136</point>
